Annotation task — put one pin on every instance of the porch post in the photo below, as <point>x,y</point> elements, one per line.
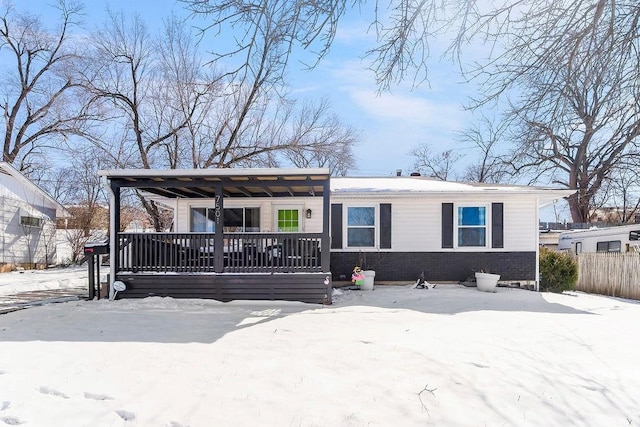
<point>218,240</point>
<point>537,283</point>
<point>326,238</point>
<point>114,227</point>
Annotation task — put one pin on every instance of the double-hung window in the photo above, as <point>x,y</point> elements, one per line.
<point>472,226</point>
<point>361,226</point>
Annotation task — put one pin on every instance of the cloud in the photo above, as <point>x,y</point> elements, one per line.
<point>408,108</point>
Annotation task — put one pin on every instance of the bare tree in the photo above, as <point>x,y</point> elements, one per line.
<point>403,29</point>
<point>276,132</point>
<point>486,137</point>
<point>321,140</point>
<point>440,165</point>
<point>150,88</point>
<point>40,100</point>
<point>453,165</point>
<point>583,125</point>
<point>172,114</point>
<point>256,123</point>
<point>621,195</point>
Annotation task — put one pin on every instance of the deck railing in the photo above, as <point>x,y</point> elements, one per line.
<point>242,252</point>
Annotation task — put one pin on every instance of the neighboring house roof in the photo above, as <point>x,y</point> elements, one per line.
<point>419,185</point>
<point>8,169</point>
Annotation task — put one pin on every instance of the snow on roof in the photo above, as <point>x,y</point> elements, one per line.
<point>428,185</point>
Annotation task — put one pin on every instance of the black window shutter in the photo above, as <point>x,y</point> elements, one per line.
<point>447,225</point>
<point>336,226</point>
<point>385,225</point>
<point>497,227</point>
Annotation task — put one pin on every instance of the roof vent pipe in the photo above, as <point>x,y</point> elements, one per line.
<point>415,174</point>
<point>398,172</point>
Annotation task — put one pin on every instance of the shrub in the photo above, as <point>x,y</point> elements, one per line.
<point>558,271</point>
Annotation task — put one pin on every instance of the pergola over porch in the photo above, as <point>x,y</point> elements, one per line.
<point>219,264</point>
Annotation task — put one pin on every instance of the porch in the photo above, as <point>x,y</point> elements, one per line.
<point>227,261</point>
<point>242,253</point>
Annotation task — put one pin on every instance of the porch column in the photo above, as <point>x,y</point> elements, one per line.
<point>326,238</point>
<point>114,228</point>
<point>218,240</point>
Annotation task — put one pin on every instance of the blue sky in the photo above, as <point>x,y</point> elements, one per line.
<point>390,124</point>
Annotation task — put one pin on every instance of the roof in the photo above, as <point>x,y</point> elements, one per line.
<point>8,169</point>
<point>598,231</point>
<point>237,182</point>
<point>417,184</point>
<point>278,182</point>
<point>420,185</point>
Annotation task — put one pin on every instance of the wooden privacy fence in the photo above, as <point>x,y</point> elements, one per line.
<point>614,274</point>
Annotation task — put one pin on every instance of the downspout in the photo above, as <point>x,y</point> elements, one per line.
<point>112,237</point>
<point>537,285</point>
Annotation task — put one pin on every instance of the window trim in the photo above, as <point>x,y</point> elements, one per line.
<point>376,225</point>
<point>487,225</point>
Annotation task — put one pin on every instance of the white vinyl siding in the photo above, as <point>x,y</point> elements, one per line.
<point>417,222</point>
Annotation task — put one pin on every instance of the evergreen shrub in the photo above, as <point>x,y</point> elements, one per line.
<point>558,271</point>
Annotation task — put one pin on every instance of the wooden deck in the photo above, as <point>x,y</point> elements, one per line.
<point>255,266</point>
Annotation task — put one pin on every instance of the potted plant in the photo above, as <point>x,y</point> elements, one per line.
<point>486,282</point>
<point>369,276</point>
<point>367,270</point>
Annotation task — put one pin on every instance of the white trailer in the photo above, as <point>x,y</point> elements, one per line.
<point>624,238</point>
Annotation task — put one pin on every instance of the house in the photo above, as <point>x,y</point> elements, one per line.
<point>287,233</point>
<point>27,221</point>
<point>405,226</point>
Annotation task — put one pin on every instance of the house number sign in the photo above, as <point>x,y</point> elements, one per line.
<point>217,210</point>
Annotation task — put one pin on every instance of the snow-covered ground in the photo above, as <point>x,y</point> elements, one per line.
<point>37,280</point>
<point>395,356</point>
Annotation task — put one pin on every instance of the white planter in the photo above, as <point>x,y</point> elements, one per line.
<point>369,275</point>
<point>487,282</point>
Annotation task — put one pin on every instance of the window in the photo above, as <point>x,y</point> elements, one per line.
<point>288,220</point>
<point>472,226</point>
<point>612,246</point>
<point>634,235</point>
<point>361,226</point>
<point>30,221</point>
<point>203,220</point>
<point>578,247</point>
<point>242,220</point>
